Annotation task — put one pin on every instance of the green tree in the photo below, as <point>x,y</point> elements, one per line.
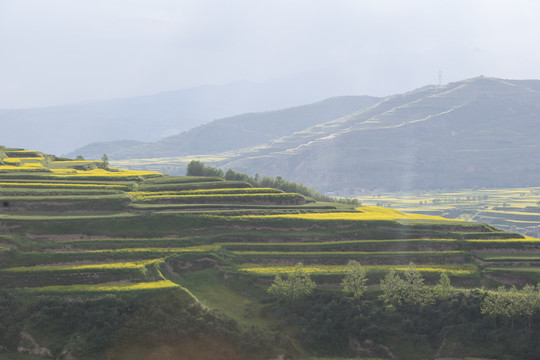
<point>414,290</point>
<point>443,290</point>
<point>392,289</point>
<point>195,168</point>
<point>105,161</point>
<point>529,302</point>
<point>494,304</point>
<point>355,279</point>
<point>410,291</point>
<point>297,285</point>
<point>80,157</point>
<point>503,303</point>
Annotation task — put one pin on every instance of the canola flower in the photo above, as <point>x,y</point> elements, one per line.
<point>23,153</point>
<point>331,244</point>
<point>508,257</point>
<point>350,253</point>
<point>466,269</point>
<point>67,268</point>
<point>363,213</point>
<point>24,167</point>
<point>510,212</point>
<point>102,172</point>
<point>101,288</point>
<point>201,248</point>
<point>12,161</point>
<point>220,191</point>
<point>526,239</point>
<point>55,185</point>
<point>33,165</point>
<point>64,171</point>
<point>210,196</point>
<point>75,162</point>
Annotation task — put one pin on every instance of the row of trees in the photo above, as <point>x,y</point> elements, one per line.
<point>410,290</point>
<point>197,168</point>
<point>512,303</point>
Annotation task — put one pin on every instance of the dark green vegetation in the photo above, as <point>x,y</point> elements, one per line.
<point>179,267</point>
<point>477,133</point>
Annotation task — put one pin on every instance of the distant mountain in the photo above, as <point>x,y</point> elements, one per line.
<point>59,129</point>
<point>481,132</point>
<point>232,133</point>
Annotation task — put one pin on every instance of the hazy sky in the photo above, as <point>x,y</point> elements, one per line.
<point>61,51</point>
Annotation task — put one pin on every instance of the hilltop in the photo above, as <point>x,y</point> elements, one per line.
<point>99,262</point>
<point>475,133</point>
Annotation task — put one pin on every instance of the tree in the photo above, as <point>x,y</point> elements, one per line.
<point>511,303</point>
<point>355,279</point>
<point>411,290</point>
<point>443,290</point>
<point>297,285</point>
<point>501,303</point>
<point>195,168</point>
<point>415,292</point>
<point>105,160</point>
<point>529,301</point>
<point>392,288</point>
<point>80,157</point>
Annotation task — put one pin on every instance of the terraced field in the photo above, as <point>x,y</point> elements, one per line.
<point>78,226</point>
<point>81,230</point>
<point>512,209</point>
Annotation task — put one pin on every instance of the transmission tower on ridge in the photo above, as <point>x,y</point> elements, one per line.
<point>440,78</point>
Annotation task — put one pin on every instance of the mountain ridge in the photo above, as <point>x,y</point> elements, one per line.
<point>237,131</point>
<point>59,129</point>
<point>415,140</point>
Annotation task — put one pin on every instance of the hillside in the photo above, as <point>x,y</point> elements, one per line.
<point>59,129</point>
<point>97,262</point>
<point>234,132</point>
<point>474,133</point>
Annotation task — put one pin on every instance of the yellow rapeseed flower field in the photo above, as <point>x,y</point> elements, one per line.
<point>363,213</point>
<point>12,161</point>
<point>93,288</point>
<point>526,239</point>
<point>55,185</point>
<point>350,253</point>
<point>61,268</point>
<point>102,172</point>
<point>466,269</point>
<point>208,196</point>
